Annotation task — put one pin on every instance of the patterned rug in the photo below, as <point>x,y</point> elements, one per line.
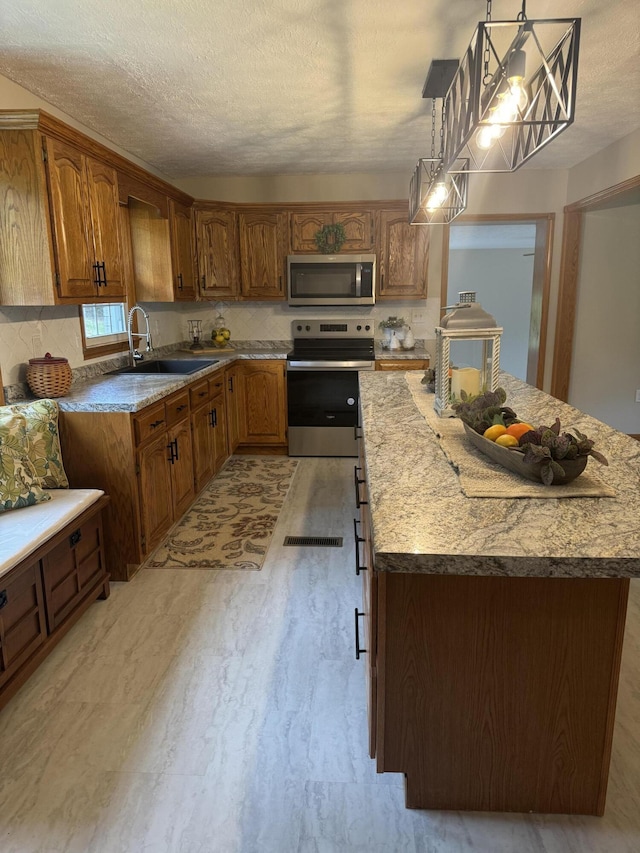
<point>230,525</point>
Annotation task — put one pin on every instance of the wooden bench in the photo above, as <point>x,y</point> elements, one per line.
<point>51,569</point>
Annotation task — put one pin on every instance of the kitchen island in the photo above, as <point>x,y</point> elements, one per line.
<point>493,626</point>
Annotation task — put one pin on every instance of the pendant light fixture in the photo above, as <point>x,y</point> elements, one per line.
<point>436,196</point>
<point>513,92</point>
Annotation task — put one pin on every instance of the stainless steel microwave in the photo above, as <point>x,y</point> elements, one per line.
<point>331,279</point>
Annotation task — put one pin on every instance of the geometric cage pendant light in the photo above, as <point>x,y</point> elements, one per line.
<point>436,196</point>
<point>514,92</point>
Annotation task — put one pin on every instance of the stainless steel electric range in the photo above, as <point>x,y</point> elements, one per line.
<point>322,385</point>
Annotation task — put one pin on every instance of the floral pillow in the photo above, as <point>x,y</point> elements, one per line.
<point>43,441</point>
<point>19,481</point>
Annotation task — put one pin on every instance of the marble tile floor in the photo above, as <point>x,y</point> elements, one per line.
<point>224,712</point>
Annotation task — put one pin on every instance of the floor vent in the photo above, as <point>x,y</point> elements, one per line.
<point>316,541</point>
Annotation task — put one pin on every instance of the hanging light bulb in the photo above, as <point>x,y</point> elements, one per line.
<point>437,196</point>
<point>516,68</point>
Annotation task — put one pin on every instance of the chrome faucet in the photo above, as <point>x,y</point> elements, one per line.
<point>134,354</point>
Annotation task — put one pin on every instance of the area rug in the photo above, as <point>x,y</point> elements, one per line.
<point>230,525</point>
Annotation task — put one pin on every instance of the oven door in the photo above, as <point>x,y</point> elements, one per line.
<point>322,409</point>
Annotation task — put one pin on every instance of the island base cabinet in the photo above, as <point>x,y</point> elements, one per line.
<point>498,694</point>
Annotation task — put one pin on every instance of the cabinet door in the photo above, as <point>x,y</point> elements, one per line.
<point>304,227</point>
<point>69,201</point>
<point>233,402</point>
<point>218,413</point>
<point>182,251</point>
<point>202,434</point>
<point>181,468</point>
<point>217,242</point>
<point>263,238</point>
<point>102,182</point>
<point>358,228</point>
<point>404,255</point>
<point>263,417</point>
<point>155,490</point>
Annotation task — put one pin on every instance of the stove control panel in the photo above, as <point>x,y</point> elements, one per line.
<point>331,329</point>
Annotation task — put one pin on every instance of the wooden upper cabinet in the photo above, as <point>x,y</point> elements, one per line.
<point>358,228</point>
<point>403,259</point>
<point>263,247</point>
<point>217,243</point>
<point>182,251</point>
<point>83,196</point>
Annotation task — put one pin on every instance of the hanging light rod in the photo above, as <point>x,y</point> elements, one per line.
<point>439,78</point>
<point>513,92</point>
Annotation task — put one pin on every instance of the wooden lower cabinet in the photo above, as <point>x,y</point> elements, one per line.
<point>498,694</point>
<point>262,402</point>
<point>402,363</point>
<point>154,462</point>
<point>209,432</point>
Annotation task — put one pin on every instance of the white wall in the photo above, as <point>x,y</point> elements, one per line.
<point>502,279</point>
<point>605,371</point>
<point>611,166</point>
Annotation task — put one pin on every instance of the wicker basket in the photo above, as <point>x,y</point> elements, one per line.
<point>49,376</point>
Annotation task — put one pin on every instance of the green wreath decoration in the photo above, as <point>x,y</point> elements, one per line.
<point>330,238</point>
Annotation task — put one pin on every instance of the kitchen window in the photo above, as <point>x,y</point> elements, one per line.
<point>104,328</point>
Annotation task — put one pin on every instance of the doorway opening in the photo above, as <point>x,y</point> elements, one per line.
<point>506,260</point>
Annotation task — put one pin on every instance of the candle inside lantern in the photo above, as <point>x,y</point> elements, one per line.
<point>465,379</point>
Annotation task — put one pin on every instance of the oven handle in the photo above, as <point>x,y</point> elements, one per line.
<point>331,365</point>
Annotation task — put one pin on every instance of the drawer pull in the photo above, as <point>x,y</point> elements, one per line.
<point>213,418</point>
<point>180,283</point>
<point>75,537</point>
<point>4,598</point>
<point>359,539</point>
<point>180,408</point>
<point>156,423</point>
<point>172,447</point>
<point>202,393</point>
<point>359,651</point>
<point>357,481</point>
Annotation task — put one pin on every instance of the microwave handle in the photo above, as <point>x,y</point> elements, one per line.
<point>358,280</point>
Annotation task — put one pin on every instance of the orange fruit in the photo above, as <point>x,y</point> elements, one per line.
<point>507,440</point>
<point>518,430</point>
<point>494,431</point>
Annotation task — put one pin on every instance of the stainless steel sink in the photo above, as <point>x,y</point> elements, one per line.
<point>162,366</point>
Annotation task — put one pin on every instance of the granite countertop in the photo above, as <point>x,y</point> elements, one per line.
<point>129,393</point>
<point>422,522</point>
<point>101,392</point>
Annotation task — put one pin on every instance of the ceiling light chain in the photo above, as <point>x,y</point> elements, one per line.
<point>487,49</point>
<point>433,133</point>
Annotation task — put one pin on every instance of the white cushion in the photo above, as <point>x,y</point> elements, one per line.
<point>24,530</point>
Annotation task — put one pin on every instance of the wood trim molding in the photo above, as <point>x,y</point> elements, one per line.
<point>569,277</point>
<point>303,206</point>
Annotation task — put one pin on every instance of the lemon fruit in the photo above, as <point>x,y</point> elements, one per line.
<point>494,431</point>
<point>506,440</point>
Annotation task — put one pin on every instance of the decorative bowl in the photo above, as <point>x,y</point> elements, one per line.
<point>513,460</point>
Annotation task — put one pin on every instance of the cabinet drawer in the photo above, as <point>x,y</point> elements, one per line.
<point>216,385</point>
<point>177,407</point>
<point>199,392</point>
<point>402,364</point>
<point>22,620</point>
<point>148,422</point>
<point>70,568</point>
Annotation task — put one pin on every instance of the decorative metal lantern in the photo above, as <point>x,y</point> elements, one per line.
<point>473,334</point>
<point>195,333</point>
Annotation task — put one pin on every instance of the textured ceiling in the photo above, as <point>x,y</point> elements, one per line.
<point>269,87</point>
